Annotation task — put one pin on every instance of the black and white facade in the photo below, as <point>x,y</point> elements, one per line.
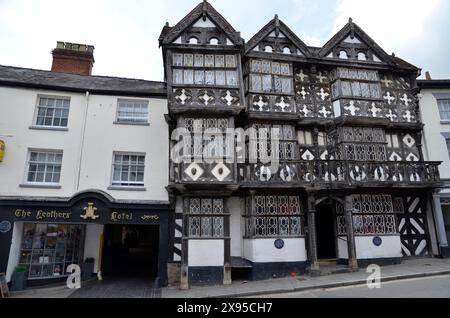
<point>325,161</point>
<point>351,183</point>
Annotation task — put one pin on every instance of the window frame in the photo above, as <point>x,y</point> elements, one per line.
<point>27,167</point>
<point>447,101</point>
<point>36,112</point>
<point>130,185</point>
<point>132,101</point>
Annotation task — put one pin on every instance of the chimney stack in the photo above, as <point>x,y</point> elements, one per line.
<point>428,76</point>
<point>73,58</point>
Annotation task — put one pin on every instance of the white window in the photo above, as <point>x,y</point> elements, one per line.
<point>362,56</point>
<point>214,41</point>
<point>444,109</point>
<point>304,137</point>
<point>52,111</point>
<point>343,55</point>
<point>193,40</point>
<point>44,167</point>
<point>132,111</point>
<point>392,141</point>
<point>268,49</point>
<point>128,170</point>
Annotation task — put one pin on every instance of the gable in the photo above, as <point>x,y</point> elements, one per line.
<point>203,26</point>
<point>352,43</point>
<point>277,38</point>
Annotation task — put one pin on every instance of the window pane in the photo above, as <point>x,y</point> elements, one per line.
<point>220,61</point>
<point>220,78</point>
<point>199,77</point>
<point>232,79</point>
<point>198,62</point>
<point>231,61</point>
<point>188,77</point>
<point>209,77</point>
<point>177,76</point>
<point>188,60</point>
<point>255,82</point>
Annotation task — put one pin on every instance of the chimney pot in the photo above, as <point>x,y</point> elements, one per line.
<point>428,76</point>
<point>73,58</point>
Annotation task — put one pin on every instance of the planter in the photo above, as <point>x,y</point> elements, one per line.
<point>88,270</point>
<point>19,281</point>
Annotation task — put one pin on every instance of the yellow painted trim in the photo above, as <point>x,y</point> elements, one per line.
<point>100,254</point>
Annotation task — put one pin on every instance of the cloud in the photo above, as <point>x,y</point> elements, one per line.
<point>125,33</point>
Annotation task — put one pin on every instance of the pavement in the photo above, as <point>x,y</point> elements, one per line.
<point>408,269</point>
<point>431,287</point>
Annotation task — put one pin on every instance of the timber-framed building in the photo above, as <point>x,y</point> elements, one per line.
<point>352,184</point>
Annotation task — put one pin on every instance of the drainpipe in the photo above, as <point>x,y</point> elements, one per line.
<point>83,134</point>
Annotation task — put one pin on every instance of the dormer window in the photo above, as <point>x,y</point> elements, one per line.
<point>193,40</point>
<point>286,50</point>
<point>214,41</point>
<point>268,49</point>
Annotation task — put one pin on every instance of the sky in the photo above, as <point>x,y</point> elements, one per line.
<point>125,32</point>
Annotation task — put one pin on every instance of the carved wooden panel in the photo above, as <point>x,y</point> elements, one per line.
<point>399,104</point>
<point>313,94</point>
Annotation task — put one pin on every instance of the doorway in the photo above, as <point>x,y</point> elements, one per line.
<point>131,251</point>
<point>325,230</point>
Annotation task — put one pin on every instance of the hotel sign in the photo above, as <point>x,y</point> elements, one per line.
<point>89,214</point>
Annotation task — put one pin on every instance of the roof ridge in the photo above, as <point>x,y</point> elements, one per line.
<point>83,76</point>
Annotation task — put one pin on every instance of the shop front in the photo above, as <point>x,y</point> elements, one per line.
<point>46,236</point>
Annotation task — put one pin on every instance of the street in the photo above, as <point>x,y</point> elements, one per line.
<point>427,287</point>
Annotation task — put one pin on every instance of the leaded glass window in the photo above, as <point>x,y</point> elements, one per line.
<point>274,216</point>
<point>205,217</point>
<point>209,69</point>
<point>372,215</point>
<point>271,77</point>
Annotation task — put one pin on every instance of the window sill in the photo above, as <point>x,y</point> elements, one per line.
<point>49,128</point>
<point>130,123</point>
<point>39,186</point>
<point>123,188</point>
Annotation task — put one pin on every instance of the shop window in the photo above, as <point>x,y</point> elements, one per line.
<point>273,216</point>
<point>48,249</point>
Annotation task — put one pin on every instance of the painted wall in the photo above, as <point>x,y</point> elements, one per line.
<point>102,138</point>
<point>92,243</point>
<point>264,250</point>
<point>206,253</point>
<point>365,249</point>
<point>236,208</point>
<point>435,146</point>
<point>14,252</point>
